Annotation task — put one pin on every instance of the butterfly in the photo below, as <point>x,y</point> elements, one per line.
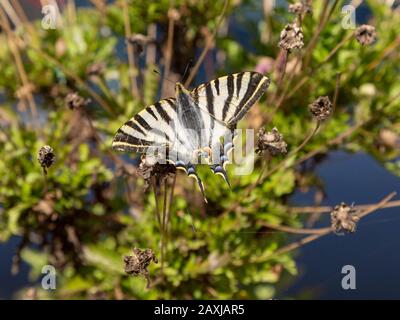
<point>196,126</point>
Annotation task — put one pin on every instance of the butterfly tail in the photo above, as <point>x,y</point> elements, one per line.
<point>219,170</point>
<point>191,172</point>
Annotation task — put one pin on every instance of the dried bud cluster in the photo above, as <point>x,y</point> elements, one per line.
<point>149,167</point>
<point>321,108</point>
<point>300,7</point>
<point>291,37</point>
<point>343,219</point>
<point>46,157</point>
<point>366,34</point>
<point>96,69</point>
<point>272,142</point>
<point>137,264</point>
<point>75,101</point>
<point>139,41</point>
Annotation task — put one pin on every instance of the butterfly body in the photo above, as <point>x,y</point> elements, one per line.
<point>189,128</point>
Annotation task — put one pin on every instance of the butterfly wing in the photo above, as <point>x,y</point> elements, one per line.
<point>150,127</point>
<point>227,99</point>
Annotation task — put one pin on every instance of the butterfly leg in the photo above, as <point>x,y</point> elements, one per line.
<point>190,170</point>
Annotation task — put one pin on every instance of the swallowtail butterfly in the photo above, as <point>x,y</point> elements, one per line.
<point>195,126</point>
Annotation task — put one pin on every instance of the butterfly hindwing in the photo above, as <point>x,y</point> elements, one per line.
<point>228,98</point>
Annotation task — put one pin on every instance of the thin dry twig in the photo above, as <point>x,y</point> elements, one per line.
<point>262,177</point>
<point>12,43</point>
<point>293,153</point>
<point>130,50</point>
<point>324,19</point>
<point>103,103</point>
<point>209,43</point>
<point>328,209</point>
<point>170,45</point>
<point>325,231</point>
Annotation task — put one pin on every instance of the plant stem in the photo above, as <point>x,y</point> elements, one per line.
<point>170,46</point>
<point>322,232</point>
<point>328,209</point>
<point>130,50</point>
<point>12,43</point>
<point>209,42</point>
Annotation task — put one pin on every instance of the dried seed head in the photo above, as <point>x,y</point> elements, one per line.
<point>272,142</point>
<point>366,34</point>
<point>138,263</point>
<point>96,69</point>
<point>149,167</point>
<point>321,108</point>
<point>344,219</point>
<point>300,7</point>
<point>139,41</point>
<point>291,37</point>
<point>46,157</point>
<point>74,101</point>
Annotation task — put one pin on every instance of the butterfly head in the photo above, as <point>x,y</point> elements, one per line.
<point>179,89</point>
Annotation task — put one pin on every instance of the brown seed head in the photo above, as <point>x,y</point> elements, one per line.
<point>321,108</point>
<point>74,101</point>
<point>291,37</point>
<point>344,219</point>
<point>96,69</point>
<point>46,157</point>
<point>271,142</point>
<point>365,34</point>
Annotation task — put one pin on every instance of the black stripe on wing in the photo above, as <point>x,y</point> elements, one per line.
<point>210,108</point>
<point>145,128</point>
<point>228,100</point>
<point>257,85</point>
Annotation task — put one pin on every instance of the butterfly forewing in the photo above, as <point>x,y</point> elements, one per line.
<point>150,127</point>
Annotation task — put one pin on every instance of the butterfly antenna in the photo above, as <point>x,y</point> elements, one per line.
<point>185,74</point>
<point>163,77</point>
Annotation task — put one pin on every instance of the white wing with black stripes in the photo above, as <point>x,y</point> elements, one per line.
<point>230,97</point>
<point>190,126</point>
<point>150,127</point>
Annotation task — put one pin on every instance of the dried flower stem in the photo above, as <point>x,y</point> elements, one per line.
<point>282,75</point>
<point>288,229</point>
<point>157,211</point>
<point>170,46</point>
<point>289,91</point>
<point>103,103</point>
<point>262,177</point>
<point>163,224</point>
<point>324,19</point>
<point>336,94</point>
<point>387,51</point>
<point>12,43</point>
<point>130,50</point>
<point>322,232</point>
<point>339,139</point>
<point>328,209</point>
<point>171,197</point>
<point>292,153</point>
<point>209,42</point>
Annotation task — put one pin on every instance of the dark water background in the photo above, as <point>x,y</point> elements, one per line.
<point>373,250</point>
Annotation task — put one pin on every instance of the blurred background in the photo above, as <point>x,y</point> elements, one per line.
<point>91,209</point>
